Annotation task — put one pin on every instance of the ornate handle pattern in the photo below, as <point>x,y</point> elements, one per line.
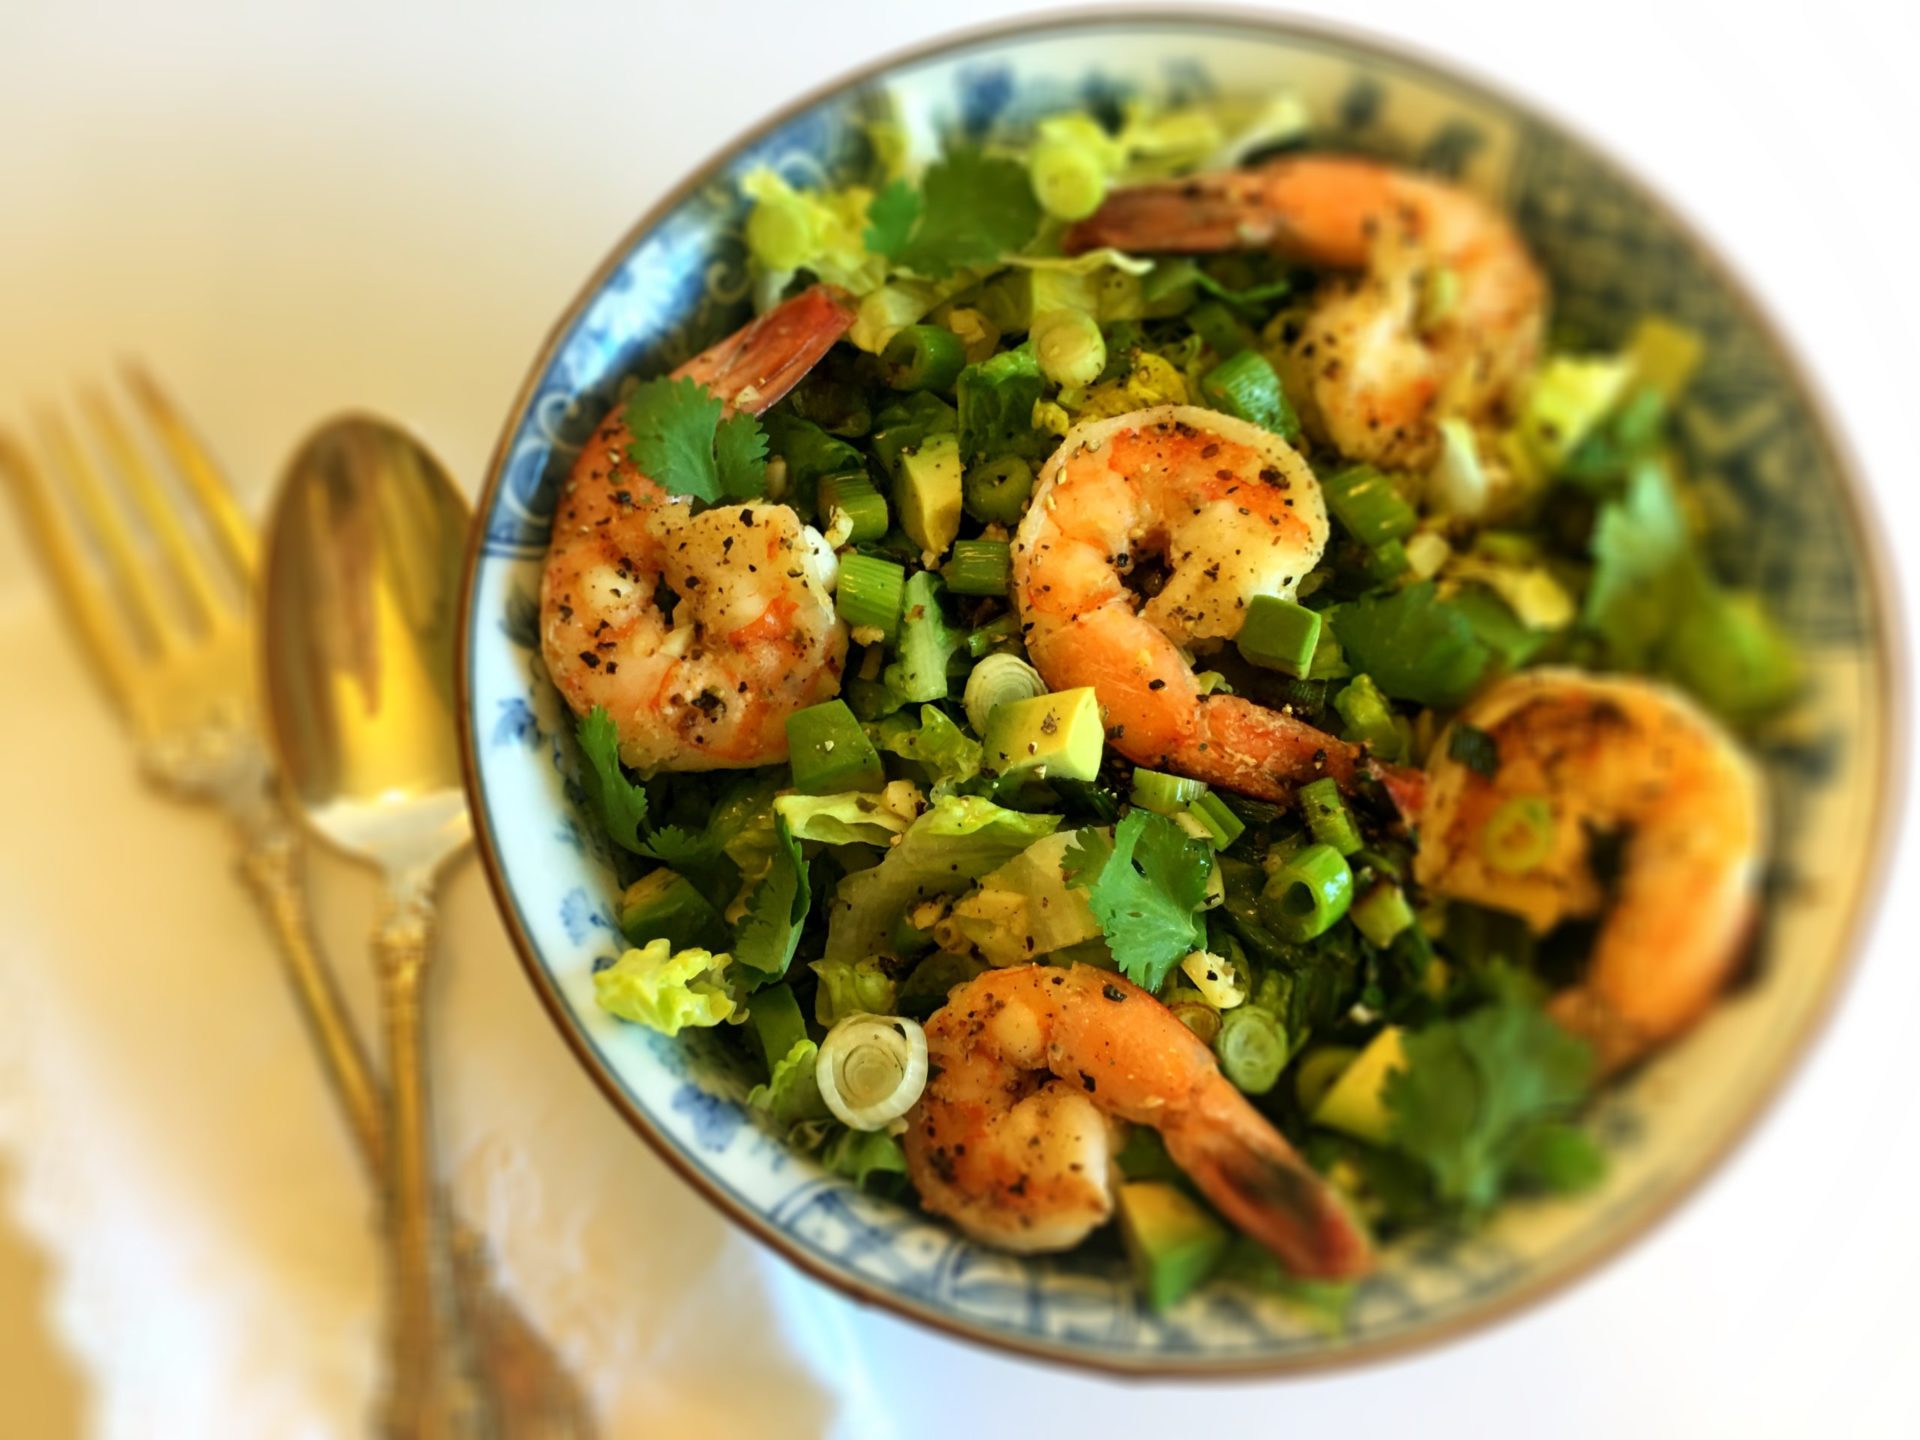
<point>434,1394</point>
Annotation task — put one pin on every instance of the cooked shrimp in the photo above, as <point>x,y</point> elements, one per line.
<point>1579,755</point>
<point>1444,319</point>
<point>1035,1072</point>
<point>752,636</point>
<point>1235,513</point>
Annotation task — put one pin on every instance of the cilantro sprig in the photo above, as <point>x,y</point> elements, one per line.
<point>622,805</point>
<point>770,930</point>
<point>1145,887</point>
<point>680,441</point>
<point>1484,1102</point>
<point>971,208</point>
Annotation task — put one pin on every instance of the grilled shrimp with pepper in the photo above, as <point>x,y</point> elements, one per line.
<point>1235,513</point>
<point>1035,1072</point>
<point>752,634</point>
<point>1578,755</point>
<point>1437,311</point>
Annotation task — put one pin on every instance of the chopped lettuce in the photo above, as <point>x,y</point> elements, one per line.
<point>852,987</point>
<point>950,755</point>
<point>996,399</point>
<point>858,1154</point>
<point>959,839</point>
<point>1026,908</point>
<point>665,989</point>
<point>817,230</point>
<point>854,818</point>
<point>791,1094</point>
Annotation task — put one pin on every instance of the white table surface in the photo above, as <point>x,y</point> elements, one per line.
<point>383,205</point>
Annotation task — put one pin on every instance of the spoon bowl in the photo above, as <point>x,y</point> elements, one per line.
<point>361,627</point>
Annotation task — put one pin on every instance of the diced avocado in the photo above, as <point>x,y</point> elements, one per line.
<point>1664,355</point>
<point>1057,736</point>
<point>666,906</point>
<point>1174,1243</point>
<point>926,492</point>
<point>1570,395</point>
<point>830,752</point>
<point>1355,1102</point>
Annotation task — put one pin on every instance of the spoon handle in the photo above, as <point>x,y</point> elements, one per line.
<point>433,1393</point>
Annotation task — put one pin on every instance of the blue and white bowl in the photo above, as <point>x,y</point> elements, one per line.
<point>678,281</point>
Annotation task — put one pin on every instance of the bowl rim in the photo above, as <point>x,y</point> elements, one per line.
<point>1886,642</point>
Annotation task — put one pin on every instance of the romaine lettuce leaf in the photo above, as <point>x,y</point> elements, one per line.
<point>957,841</point>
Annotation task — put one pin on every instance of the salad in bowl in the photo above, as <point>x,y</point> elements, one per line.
<point>1177,693</point>
<point>1144,693</point>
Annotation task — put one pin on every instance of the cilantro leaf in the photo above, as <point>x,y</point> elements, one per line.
<point>621,804</point>
<point>1415,646</point>
<point>1145,886</point>
<point>680,441</point>
<point>1475,1100</point>
<point>680,848</point>
<point>1640,564</point>
<point>972,209</point>
<point>740,455</point>
<point>890,218</point>
<point>1654,605</point>
<point>770,930</point>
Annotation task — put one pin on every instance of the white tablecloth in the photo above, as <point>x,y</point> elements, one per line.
<point>294,212</point>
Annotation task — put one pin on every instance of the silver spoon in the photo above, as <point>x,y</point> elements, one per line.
<point>359,625</point>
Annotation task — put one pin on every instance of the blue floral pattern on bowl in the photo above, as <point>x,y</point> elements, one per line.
<point>680,281</point>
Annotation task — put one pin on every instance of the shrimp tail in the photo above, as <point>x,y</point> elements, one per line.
<point>1259,1183</point>
<point>1405,786</point>
<point>754,367</point>
<point>1198,215</point>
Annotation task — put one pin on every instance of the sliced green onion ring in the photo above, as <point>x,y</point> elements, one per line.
<point>871,1069</point>
<point>996,680</point>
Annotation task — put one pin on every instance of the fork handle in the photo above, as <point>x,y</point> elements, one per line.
<point>433,1394</point>
<point>270,862</point>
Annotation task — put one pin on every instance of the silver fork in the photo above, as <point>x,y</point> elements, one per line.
<point>162,616</point>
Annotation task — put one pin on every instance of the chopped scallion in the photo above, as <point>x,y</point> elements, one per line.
<point>1327,816</point>
<point>1307,894</point>
<point>1247,388</point>
<point>1518,835</point>
<point>996,491</point>
<point>871,593</point>
<point>1252,1046</point>
<point>865,506</point>
<point>1165,794</point>
<point>979,567</point>
<point>1221,823</point>
<point>1367,504</point>
<point>923,357</point>
<point>1382,913</point>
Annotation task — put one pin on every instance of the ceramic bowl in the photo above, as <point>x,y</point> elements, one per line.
<point>678,280</point>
